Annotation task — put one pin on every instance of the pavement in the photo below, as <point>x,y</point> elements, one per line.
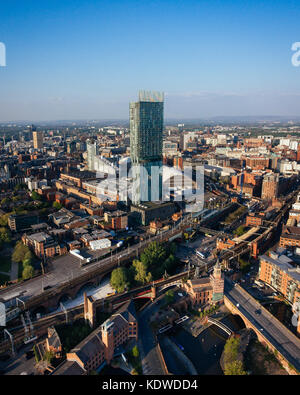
<point>20,365</point>
<point>274,331</point>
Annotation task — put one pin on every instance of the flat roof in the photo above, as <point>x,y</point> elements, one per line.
<point>283,265</point>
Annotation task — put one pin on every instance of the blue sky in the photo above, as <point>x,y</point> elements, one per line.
<point>76,59</point>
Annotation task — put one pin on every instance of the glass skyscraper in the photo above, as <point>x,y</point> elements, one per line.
<point>146,143</point>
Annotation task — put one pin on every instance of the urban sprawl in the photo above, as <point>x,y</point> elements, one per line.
<point>106,269</point>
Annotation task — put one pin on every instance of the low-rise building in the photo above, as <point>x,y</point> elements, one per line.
<point>207,290</point>
<point>105,342</point>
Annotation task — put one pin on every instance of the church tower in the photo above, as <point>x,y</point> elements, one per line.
<point>217,282</point>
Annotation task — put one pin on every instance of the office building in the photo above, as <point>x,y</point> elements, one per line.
<point>92,153</point>
<point>146,145</point>
<point>37,139</point>
<point>270,187</point>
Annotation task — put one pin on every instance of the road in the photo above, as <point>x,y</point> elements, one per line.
<point>283,340</point>
<point>151,362</point>
<point>20,364</point>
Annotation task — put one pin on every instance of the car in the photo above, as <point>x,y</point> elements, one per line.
<point>237,305</point>
<point>261,329</point>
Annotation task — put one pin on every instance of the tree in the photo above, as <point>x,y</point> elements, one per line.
<point>231,349</point>
<point>119,279</point>
<point>244,265</point>
<point>5,235</point>
<point>35,195</point>
<point>169,297</point>
<point>234,368</point>
<point>4,219</point>
<point>155,253</point>
<point>168,264</point>
<point>28,258</point>
<point>240,230</point>
<point>141,275</point>
<point>135,352</point>
<point>19,252</point>
<point>57,205</point>
<point>28,272</point>
<point>5,201</point>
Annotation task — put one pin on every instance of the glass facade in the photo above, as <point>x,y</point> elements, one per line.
<point>146,143</point>
<point>146,128</point>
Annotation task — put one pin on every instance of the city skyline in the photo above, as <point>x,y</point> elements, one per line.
<point>88,59</point>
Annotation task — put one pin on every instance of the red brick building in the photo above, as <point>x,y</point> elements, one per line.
<point>102,344</point>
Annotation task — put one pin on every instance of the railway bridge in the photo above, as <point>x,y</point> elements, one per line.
<point>269,330</point>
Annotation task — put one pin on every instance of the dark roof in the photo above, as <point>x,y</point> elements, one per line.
<point>53,338</point>
<point>88,347</point>
<point>127,311</point>
<point>69,368</point>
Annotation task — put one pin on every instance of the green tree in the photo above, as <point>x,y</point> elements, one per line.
<point>5,235</point>
<point>28,258</point>
<point>234,368</point>
<point>231,349</point>
<point>154,254</point>
<point>19,252</point>
<point>140,270</point>
<point>168,264</point>
<point>4,219</point>
<point>240,230</point>
<point>28,272</point>
<point>35,195</point>
<point>5,201</point>
<point>135,352</point>
<point>57,205</point>
<point>119,279</point>
<point>169,297</point>
<point>16,198</point>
